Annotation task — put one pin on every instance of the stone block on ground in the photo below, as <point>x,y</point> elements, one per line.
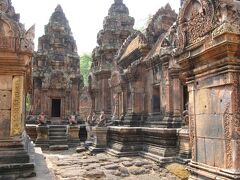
<point>94,174</point>
<point>80,149</point>
<point>112,166</point>
<point>58,147</point>
<point>127,163</point>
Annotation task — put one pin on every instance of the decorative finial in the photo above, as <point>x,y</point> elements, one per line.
<point>118,1</point>
<point>59,8</point>
<point>168,6</point>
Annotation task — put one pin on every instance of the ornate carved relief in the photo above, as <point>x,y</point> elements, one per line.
<point>192,137</point>
<point>17,102</point>
<point>195,21</point>
<point>227,135</point>
<point>236,105</point>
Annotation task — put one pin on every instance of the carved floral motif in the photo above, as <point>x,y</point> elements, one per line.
<point>227,135</point>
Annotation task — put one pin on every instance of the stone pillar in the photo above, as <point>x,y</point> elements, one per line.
<point>168,99</point>
<point>73,135</point>
<point>42,136</point>
<point>99,139</point>
<point>175,98</point>
<point>135,104</point>
<point>16,49</point>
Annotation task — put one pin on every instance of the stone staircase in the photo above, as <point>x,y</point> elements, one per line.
<point>58,139</point>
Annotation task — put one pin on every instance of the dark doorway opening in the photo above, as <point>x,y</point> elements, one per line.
<point>185,97</point>
<point>56,107</point>
<point>156,99</point>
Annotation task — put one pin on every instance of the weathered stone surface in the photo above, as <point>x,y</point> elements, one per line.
<point>102,157</point>
<point>124,171</point>
<point>58,147</point>
<point>80,149</point>
<point>94,174</point>
<point>66,161</point>
<point>5,100</point>
<point>6,82</point>
<point>137,171</point>
<point>127,163</point>
<point>112,166</point>
<point>4,123</point>
<point>139,163</point>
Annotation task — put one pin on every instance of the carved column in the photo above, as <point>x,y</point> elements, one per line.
<point>135,104</point>
<point>168,92</point>
<point>176,97</point>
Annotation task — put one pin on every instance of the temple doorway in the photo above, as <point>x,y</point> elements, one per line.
<point>156,99</point>
<point>56,107</point>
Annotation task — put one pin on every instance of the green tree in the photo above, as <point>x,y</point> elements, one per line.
<point>85,65</point>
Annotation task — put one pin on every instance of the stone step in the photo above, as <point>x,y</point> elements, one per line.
<point>57,129</point>
<point>11,171</point>
<point>57,142</point>
<point>58,147</point>
<point>57,133</point>
<point>57,126</point>
<point>58,137</point>
<point>17,157</point>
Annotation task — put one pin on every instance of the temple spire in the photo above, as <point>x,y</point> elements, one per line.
<point>59,8</point>
<point>118,1</point>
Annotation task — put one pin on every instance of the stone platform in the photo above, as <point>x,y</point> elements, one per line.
<point>158,144</point>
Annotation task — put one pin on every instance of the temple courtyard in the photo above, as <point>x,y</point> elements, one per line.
<point>70,165</point>
<point>161,103</point>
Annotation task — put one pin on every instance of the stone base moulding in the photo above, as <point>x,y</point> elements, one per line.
<point>15,161</point>
<point>202,171</point>
<point>99,139</point>
<point>158,144</point>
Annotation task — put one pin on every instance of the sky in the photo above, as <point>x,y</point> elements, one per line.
<point>85,16</point>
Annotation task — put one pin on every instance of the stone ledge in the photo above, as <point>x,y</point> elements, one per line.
<point>58,147</point>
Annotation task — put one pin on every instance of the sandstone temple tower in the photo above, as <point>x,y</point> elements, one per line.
<point>56,72</point>
<point>117,26</point>
<point>16,51</point>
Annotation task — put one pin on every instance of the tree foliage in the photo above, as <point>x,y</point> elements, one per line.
<point>85,65</point>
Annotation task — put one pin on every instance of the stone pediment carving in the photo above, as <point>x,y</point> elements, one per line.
<point>195,21</point>
<point>200,19</point>
<point>132,49</point>
<point>160,23</point>
<point>126,44</point>
<point>138,42</point>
